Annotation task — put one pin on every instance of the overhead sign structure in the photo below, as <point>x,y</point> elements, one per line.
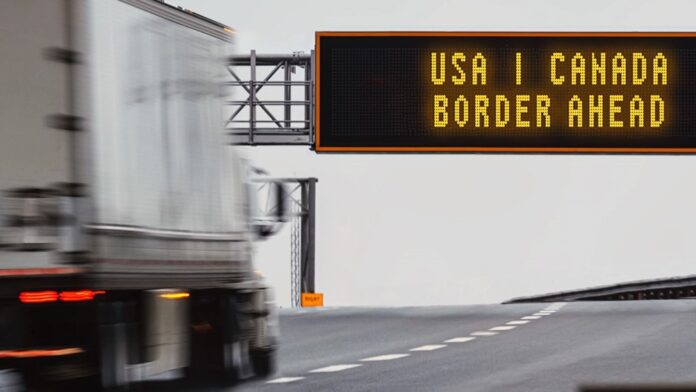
<point>506,92</point>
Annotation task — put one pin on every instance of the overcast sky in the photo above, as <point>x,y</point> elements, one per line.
<point>402,230</point>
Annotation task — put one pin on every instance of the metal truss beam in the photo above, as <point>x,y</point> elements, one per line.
<point>272,119</point>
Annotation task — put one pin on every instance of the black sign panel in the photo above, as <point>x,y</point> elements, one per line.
<point>506,92</point>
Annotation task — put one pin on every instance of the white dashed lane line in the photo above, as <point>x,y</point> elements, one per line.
<point>517,322</point>
<point>549,310</point>
<point>484,333</point>
<point>460,340</point>
<point>503,328</point>
<point>284,380</point>
<point>335,368</point>
<point>429,347</point>
<point>387,357</point>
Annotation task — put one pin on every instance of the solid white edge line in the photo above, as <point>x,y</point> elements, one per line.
<point>284,380</point>
<point>386,357</point>
<point>335,368</point>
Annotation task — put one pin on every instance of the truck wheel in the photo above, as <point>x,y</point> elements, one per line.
<point>237,364</point>
<point>263,363</point>
<point>113,350</point>
<point>113,358</point>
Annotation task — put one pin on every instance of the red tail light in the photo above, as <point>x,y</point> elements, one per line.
<point>36,297</point>
<point>40,353</point>
<point>78,296</point>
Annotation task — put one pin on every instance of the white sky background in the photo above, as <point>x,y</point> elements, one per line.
<point>397,230</point>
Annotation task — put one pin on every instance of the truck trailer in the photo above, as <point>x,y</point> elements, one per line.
<point>126,227</point>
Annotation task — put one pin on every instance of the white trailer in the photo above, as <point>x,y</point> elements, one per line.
<point>126,239</point>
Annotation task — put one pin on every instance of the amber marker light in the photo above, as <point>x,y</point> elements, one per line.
<point>177,295</point>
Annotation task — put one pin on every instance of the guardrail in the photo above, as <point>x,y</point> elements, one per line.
<point>653,289</point>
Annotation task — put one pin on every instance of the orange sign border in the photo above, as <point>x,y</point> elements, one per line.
<point>540,150</point>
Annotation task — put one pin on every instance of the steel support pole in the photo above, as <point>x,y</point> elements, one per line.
<point>307,237</point>
<point>309,97</point>
<point>252,96</point>
<point>288,95</point>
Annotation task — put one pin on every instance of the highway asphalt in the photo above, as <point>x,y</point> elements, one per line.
<point>564,347</point>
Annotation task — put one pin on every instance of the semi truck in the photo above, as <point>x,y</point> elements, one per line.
<point>126,224</point>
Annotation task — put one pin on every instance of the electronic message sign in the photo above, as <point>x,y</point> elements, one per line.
<point>506,92</point>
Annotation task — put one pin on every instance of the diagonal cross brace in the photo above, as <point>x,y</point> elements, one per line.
<point>256,90</point>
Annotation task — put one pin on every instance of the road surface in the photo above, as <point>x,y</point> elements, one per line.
<point>521,347</point>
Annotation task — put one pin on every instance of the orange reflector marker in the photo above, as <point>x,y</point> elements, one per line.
<point>310,300</point>
<point>37,297</point>
<point>179,295</point>
<point>40,353</point>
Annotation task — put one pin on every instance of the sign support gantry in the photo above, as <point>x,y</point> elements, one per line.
<point>300,196</point>
<point>278,108</point>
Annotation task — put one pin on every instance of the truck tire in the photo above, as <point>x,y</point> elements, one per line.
<point>263,362</point>
<point>218,353</point>
<point>113,350</point>
<point>113,358</point>
<point>238,365</point>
